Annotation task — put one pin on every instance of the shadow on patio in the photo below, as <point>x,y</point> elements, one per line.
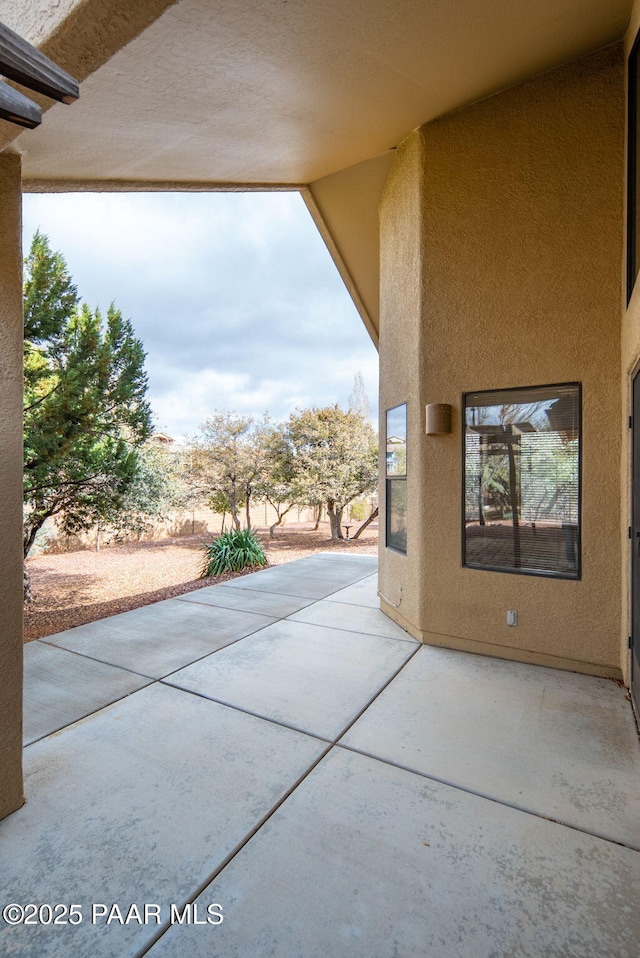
<point>277,747</point>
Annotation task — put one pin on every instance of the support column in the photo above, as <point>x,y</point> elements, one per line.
<point>11,382</point>
<point>402,249</point>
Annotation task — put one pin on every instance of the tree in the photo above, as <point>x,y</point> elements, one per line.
<point>277,479</point>
<point>191,492</point>
<point>86,411</point>
<point>336,459</point>
<point>368,521</point>
<point>358,400</point>
<point>155,490</point>
<point>227,460</point>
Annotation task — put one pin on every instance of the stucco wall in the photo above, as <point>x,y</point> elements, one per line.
<point>400,345</point>
<point>78,35</point>
<point>630,358</point>
<point>344,207</point>
<point>35,20</point>
<point>517,259</point>
<point>11,794</point>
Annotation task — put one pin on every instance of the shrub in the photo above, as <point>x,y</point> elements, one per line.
<point>357,510</point>
<point>231,552</point>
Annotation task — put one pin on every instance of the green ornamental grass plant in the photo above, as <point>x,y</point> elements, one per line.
<point>231,552</point>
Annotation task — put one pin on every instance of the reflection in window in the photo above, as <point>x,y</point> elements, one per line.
<point>522,480</point>
<point>396,479</point>
<point>397,514</point>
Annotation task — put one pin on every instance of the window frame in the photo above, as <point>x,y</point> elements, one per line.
<point>463,514</point>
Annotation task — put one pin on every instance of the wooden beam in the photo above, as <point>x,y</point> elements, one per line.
<point>21,62</point>
<point>18,108</point>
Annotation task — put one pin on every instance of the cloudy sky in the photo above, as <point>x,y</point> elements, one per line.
<point>234,296</point>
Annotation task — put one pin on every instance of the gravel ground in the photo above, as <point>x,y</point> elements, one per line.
<point>72,588</point>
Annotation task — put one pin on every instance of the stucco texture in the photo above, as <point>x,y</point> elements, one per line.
<point>11,332</point>
<point>79,35</point>
<point>501,249</point>
<point>630,364</point>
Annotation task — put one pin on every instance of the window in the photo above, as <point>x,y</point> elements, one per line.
<point>633,168</point>
<point>521,505</point>
<point>396,478</point>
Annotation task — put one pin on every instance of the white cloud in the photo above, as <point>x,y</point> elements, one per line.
<point>234,296</point>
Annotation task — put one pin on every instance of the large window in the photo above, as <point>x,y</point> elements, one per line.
<point>522,480</point>
<point>396,478</point>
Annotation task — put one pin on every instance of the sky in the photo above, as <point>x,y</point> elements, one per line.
<point>234,296</point>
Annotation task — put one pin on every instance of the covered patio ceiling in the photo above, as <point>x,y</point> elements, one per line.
<point>246,94</point>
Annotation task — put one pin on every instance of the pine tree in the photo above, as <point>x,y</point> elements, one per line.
<point>86,411</point>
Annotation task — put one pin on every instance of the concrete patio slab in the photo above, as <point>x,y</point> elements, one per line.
<point>165,793</point>
<point>364,592</point>
<point>265,603</point>
<point>365,859</point>
<point>158,639</point>
<point>353,618</point>
<point>355,561</point>
<point>313,578</point>
<point>61,687</point>
<point>311,678</point>
<point>140,803</point>
<point>558,744</point>
<point>313,585</point>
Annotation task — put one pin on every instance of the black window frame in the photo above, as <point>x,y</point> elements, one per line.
<point>463,513</point>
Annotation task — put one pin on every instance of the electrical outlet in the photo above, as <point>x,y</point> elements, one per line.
<point>512,617</point>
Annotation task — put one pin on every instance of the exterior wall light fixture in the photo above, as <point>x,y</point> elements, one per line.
<point>438,419</point>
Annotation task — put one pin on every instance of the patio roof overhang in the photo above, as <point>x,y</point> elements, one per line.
<point>239,94</point>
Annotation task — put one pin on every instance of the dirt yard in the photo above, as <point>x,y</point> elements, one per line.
<point>76,587</point>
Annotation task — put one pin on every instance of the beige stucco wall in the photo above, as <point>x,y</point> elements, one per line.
<point>400,346</point>
<point>630,362</point>
<point>78,35</point>
<point>11,793</point>
<point>344,207</point>
<point>501,238</point>
<point>35,20</point>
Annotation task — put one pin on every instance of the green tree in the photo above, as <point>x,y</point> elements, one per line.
<point>277,478</point>
<point>336,459</point>
<point>155,490</point>
<point>86,411</point>
<point>227,460</point>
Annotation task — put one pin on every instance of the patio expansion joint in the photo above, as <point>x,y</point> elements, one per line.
<point>159,678</point>
<point>238,708</point>
<point>91,713</point>
<point>94,658</point>
<point>292,595</point>
<point>378,693</point>
<point>165,680</point>
<point>152,680</point>
<point>488,798</point>
<point>353,605</point>
<point>238,848</point>
<point>225,608</point>
<point>337,628</point>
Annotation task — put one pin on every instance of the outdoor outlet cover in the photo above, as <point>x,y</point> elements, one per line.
<point>512,617</point>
